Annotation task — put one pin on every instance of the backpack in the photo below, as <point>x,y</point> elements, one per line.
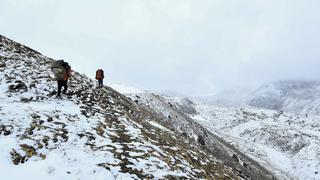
<point>59,69</point>
<point>99,74</point>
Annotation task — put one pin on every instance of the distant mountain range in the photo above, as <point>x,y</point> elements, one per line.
<point>294,96</point>
<point>301,97</point>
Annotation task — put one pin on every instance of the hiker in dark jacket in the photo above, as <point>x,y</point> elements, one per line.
<point>62,72</point>
<point>64,83</point>
<point>100,77</point>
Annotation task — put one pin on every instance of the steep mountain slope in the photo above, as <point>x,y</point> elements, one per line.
<point>176,116</point>
<point>286,144</point>
<point>301,97</point>
<point>95,134</point>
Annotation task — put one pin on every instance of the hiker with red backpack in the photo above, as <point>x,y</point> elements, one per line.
<point>62,72</point>
<point>100,77</point>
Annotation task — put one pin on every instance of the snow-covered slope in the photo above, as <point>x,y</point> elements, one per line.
<point>302,97</point>
<point>286,144</point>
<point>177,113</point>
<point>90,133</point>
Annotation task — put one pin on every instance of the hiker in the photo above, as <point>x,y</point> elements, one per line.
<point>62,72</point>
<point>99,77</point>
<point>64,83</point>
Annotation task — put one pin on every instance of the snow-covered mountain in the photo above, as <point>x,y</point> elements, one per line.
<point>228,98</point>
<point>295,96</point>
<point>302,97</point>
<point>286,144</point>
<point>100,134</point>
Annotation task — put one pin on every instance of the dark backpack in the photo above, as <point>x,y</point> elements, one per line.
<point>99,74</point>
<point>60,68</point>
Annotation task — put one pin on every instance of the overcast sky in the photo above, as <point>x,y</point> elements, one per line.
<point>186,46</point>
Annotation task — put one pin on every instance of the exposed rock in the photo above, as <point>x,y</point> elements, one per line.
<point>17,158</point>
<point>201,140</point>
<point>43,157</point>
<point>50,119</point>
<point>33,84</point>
<point>236,158</point>
<point>6,130</point>
<point>29,150</point>
<point>26,100</point>
<point>18,86</point>
<point>35,116</point>
<point>3,65</point>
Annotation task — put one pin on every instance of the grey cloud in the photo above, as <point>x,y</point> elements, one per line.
<point>187,46</point>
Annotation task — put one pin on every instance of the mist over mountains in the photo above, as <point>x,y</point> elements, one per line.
<point>294,96</point>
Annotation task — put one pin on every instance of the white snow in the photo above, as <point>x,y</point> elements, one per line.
<point>287,144</point>
<point>155,124</point>
<point>125,89</point>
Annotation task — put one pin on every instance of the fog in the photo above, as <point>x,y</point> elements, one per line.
<point>193,47</point>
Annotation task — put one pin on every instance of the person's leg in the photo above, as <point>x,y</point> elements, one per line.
<point>59,88</point>
<point>100,83</point>
<point>65,87</point>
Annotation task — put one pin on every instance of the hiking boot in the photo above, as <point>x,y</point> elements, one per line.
<point>69,93</point>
